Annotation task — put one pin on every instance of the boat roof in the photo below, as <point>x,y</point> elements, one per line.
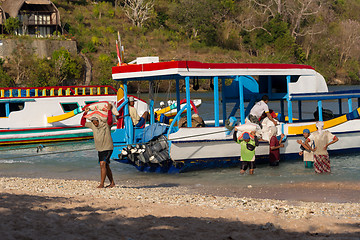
<point>180,69</point>
<point>56,91</point>
<point>325,95</point>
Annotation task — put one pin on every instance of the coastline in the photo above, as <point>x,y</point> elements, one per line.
<point>74,209</point>
<point>322,192</point>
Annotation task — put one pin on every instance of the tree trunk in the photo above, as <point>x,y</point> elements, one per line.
<point>88,70</point>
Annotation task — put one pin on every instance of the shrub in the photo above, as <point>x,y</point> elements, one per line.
<point>89,48</point>
<point>11,25</point>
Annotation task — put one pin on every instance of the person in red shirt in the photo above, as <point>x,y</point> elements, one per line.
<point>275,145</point>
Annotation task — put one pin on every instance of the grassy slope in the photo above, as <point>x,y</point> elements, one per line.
<point>87,27</point>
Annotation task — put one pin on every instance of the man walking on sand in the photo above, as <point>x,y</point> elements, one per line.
<point>103,143</point>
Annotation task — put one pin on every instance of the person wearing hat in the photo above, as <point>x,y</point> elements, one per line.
<point>103,143</point>
<point>322,140</point>
<point>136,119</point>
<point>308,155</point>
<point>248,143</point>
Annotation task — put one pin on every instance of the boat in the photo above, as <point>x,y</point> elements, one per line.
<point>52,114</point>
<point>171,110</point>
<point>170,148</point>
<point>47,114</point>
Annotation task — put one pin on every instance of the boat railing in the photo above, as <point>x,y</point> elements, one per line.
<point>57,91</point>
<point>176,119</point>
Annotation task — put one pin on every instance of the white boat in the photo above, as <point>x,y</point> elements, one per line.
<point>188,148</point>
<point>47,114</point>
<point>171,109</point>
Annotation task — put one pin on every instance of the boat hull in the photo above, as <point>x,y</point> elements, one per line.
<point>203,148</point>
<point>42,135</point>
<point>49,114</point>
<point>205,153</point>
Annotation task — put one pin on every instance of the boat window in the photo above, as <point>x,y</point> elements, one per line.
<point>16,106</point>
<point>90,102</point>
<point>2,110</point>
<point>68,107</point>
<point>12,107</point>
<point>278,83</point>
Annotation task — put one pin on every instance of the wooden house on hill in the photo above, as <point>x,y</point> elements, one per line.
<point>37,17</point>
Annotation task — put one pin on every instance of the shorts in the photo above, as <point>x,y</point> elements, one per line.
<point>255,120</point>
<point>141,123</point>
<point>309,164</point>
<point>247,164</point>
<point>105,156</point>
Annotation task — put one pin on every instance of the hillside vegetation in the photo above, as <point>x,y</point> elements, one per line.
<point>321,33</point>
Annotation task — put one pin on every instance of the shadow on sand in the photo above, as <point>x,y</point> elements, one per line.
<point>41,217</point>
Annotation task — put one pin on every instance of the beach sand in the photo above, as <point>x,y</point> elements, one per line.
<point>74,209</point>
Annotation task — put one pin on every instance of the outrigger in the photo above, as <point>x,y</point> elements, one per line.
<point>170,148</point>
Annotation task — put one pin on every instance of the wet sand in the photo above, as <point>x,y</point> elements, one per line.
<point>333,192</point>
<point>73,209</point>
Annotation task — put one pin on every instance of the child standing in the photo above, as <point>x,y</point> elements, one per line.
<point>275,145</point>
<point>248,143</point>
<point>306,152</point>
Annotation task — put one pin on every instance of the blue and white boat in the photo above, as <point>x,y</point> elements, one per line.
<point>237,87</point>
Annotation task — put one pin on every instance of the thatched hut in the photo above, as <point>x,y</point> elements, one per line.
<point>37,17</point>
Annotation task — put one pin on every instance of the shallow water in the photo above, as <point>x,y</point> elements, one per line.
<point>82,164</point>
<point>79,161</point>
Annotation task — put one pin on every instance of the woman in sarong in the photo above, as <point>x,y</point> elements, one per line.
<point>322,140</point>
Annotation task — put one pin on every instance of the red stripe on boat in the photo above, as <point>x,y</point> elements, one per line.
<point>198,65</point>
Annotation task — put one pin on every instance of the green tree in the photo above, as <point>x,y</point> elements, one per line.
<point>22,62</point>
<point>201,19</point>
<point>5,79</point>
<point>105,64</point>
<point>43,75</point>
<point>67,68</point>
<point>103,8</point>
<point>11,25</point>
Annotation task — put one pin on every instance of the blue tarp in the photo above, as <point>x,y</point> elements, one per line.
<point>153,131</point>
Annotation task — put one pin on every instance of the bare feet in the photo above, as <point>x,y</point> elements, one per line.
<point>101,186</point>
<point>111,185</point>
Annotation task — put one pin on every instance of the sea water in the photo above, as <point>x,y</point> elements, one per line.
<point>78,160</point>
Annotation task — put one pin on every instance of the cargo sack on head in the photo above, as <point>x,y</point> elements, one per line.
<point>100,110</point>
<point>248,127</point>
<point>101,115</point>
